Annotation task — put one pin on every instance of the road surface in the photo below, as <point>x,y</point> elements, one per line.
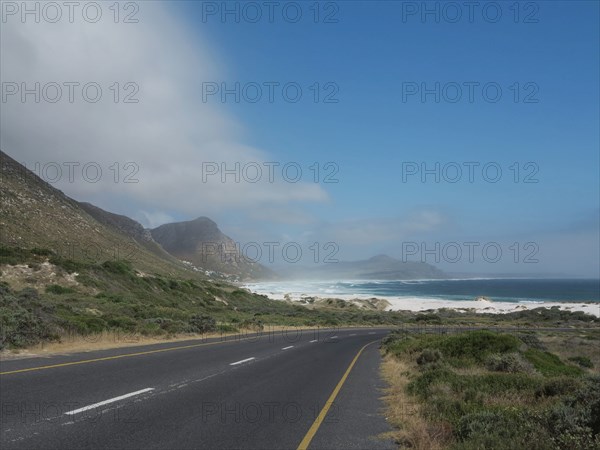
<point>301,389</point>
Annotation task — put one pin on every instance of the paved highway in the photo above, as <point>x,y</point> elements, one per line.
<point>309,389</point>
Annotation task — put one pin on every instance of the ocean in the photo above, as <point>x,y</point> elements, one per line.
<point>514,290</point>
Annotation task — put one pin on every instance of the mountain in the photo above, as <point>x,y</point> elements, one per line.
<point>34,214</point>
<point>200,242</point>
<point>122,223</point>
<point>128,227</point>
<point>380,267</point>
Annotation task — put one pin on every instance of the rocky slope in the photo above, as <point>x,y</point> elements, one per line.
<point>200,242</point>
<point>34,214</point>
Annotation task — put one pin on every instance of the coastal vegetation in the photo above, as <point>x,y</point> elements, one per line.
<point>487,390</point>
<point>47,298</point>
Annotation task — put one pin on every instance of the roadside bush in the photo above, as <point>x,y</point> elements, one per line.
<point>23,320</point>
<point>202,323</point>
<point>252,324</point>
<point>429,356</point>
<point>421,385</point>
<point>21,328</point>
<point>501,430</point>
<point>478,344</point>
<point>485,423</point>
<point>226,328</point>
<point>85,325</point>
<point>121,322</point>
<point>172,326</point>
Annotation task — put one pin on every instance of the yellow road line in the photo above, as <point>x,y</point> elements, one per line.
<point>319,420</point>
<point>126,355</point>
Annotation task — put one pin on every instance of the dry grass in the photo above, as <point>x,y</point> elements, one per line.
<point>101,341</point>
<point>404,412</point>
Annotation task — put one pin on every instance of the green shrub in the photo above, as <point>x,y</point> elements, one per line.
<point>252,324</point>
<point>550,365</point>
<point>87,280</point>
<point>41,251</point>
<point>428,318</point>
<point>587,400</point>
<point>68,265</point>
<point>24,319</point>
<point>557,386</point>
<point>76,323</point>
<point>509,362</point>
<point>119,267</point>
<point>202,323</point>
<point>478,344</point>
<point>583,361</point>
<point>428,356</point>
<point>13,255</point>
<point>532,341</point>
<point>485,423</point>
<point>498,383</point>
<point>58,289</point>
<point>121,322</point>
<point>421,385</point>
<point>501,430</point>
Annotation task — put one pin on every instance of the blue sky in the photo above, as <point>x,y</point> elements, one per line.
<point>369,133</point>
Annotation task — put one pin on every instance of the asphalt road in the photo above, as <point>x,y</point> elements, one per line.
<point>274,391</point>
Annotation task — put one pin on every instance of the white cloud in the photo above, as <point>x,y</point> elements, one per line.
<point>168,134</point>
<point>153,219</point>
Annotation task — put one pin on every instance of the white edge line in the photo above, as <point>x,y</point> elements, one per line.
<point>287,348</point>
<point>242,361</point>
<point>106,402</point>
